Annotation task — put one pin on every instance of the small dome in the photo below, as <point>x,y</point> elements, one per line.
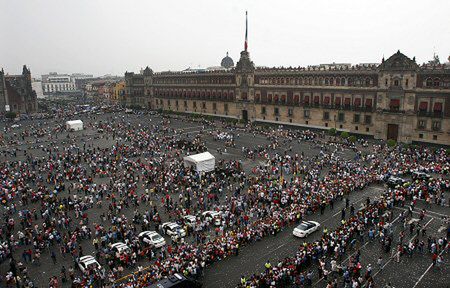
<point>148,71</point>
<point>227,62</point>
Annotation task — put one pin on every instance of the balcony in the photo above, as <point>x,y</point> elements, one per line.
<point>436,128</point>
<point>430,114</point>
<point>393,110</point>
<point>363,108</point>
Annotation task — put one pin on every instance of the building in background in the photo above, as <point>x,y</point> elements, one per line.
<point>395,99</point>
<point>102,89</point>
<point>16,93</point>
<point>37,87</point>
<point>138,90</point>
<point>118,92</point>
<point>58,84</point>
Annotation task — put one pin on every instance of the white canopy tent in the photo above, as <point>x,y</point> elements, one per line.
<point>74,125</point>
<point>203,162</point>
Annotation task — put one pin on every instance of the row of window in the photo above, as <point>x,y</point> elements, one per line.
<point>437,107</point>
<point>59,87</point>
<point>321,81</point>
<point>202,94</point>
<point>436,82</point>
<point>194,104</point>
<point>394,105</point>
<point>195,80</point>
<point>316,100</point>
<point>435,125</point>
<point>435,137</point>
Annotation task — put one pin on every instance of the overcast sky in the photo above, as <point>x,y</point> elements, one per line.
<point>111,36</point>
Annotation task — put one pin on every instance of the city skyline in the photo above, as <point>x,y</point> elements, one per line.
<point>98,39</point>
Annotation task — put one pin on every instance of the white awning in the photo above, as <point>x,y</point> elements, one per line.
<point>203,162</point>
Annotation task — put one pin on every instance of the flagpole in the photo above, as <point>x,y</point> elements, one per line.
<point>246,32</point>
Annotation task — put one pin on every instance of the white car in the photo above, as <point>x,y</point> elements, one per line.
<point>152,238</point>
<point>88,262</point>
<point>305,228</point>
<point>190,220</point>
<point>173,229</point>
<point>213,215</point>
<point>121,248</point>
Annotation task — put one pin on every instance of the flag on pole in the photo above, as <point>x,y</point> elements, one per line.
<point>246,31</point>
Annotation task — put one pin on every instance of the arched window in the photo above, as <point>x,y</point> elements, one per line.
<point>396,83</point>
<point>429,82</point>
<point>316,81</point>
<point>327,82</point>
<point>342,81</point>
<point>367,81</point>
<point>338,81</point>
<point>331,81</point>
<point>436,82</point>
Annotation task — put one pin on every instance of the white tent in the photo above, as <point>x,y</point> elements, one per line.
<point>74,125</point>
<point>202,162</point>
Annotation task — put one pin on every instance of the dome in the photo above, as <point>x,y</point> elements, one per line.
<point>147,71</point>
<point>227,62</point>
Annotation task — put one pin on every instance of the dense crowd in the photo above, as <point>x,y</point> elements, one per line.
<point>48,200</point>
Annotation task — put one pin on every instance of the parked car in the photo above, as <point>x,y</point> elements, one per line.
<point>173,229</point>
<point>213,216</point>
<point>152,238</point>
<point>176,281</point>
<point>190,220</point>
<point>421,176</point>
<point>88,262</point>
<point>305,228</point>
<point>120,248</point>
<point>395,181</point>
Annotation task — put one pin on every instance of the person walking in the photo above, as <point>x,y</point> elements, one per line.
<point>53,257</point>
<point>380,263</point>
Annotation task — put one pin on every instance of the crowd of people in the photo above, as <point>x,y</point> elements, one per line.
<point>68,192</point>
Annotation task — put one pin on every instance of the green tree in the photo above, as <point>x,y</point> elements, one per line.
<point>352,138</point>
<point>332,131</point>
<point>391,142</point>
<point>10,115</point>
<point>345,134</point>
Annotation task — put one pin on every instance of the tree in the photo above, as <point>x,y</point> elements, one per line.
<point>352,138</point>
<point>332,131</point>
<point>345,134</point>
<point>10,115</point>
<point>391,143</point>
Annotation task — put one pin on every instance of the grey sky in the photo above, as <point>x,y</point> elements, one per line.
<point>100,36</point>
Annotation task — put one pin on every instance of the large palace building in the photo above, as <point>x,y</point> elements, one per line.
<point>396,99</point>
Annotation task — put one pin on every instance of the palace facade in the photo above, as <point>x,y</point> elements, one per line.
<point>396,99</point>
